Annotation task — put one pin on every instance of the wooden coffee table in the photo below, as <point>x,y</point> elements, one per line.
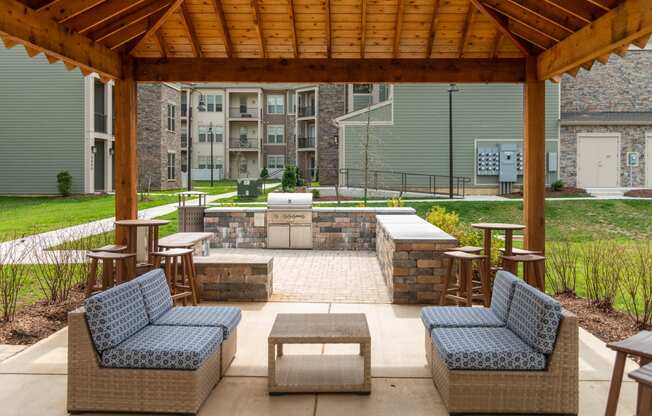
<point>319,373</point>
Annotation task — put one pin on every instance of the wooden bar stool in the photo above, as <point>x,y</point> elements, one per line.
<point>110,248</point>
<point>115,269</point>
<point>463,292</point>
<point>643,376</point>
<point>183,280</point>
<point>533,268</point>
<point>508,266</point>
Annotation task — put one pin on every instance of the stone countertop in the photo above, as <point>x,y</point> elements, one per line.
<point>235,209</point>
<point>411,228</point>
<point>256,259</point>
<point>377,210</point>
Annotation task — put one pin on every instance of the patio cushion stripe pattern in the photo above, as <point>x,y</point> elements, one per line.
<point>485,349</point>
<point>115,315</point>
<point>534,317</point>
<point>165,347</point>
<point>156,293</point>
<point>225,317</point>
<point>503,293</point>
<point>455,317</point>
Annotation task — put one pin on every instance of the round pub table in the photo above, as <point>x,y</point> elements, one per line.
<point>488,228</point>
<point>131,227</point>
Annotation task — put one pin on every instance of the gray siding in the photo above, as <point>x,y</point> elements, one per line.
<point>418,139</point>
<point>41,124</point>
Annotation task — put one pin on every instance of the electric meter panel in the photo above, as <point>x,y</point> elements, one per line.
<point>488,159</point>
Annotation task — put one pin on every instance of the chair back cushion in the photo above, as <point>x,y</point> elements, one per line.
<point>156,293</point>
<point>115,315</point>
<point>503,293</point>
<point>534,317</point>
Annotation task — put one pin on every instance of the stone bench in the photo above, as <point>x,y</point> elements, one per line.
<point>199,242</point>
<point>235,277</point>
<point>410,253</point>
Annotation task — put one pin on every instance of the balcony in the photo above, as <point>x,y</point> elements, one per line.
<point>184,140</point>
<point>243,143</point>
<point>100,123</point>
<point>184,110</point>
<point>307,111</point>
<point>243,112</point>
<point>306,142</point>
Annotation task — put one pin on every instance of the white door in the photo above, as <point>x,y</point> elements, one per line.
<point>597,161</point>
<point>648,160</point>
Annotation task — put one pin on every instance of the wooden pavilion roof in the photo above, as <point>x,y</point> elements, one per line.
<point>565,35</point>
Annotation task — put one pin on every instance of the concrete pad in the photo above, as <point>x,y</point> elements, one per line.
<point>48,356</point>
<point>596,360</point>
<point>397,339</point>
<point>593,398</point>
<point>412,397</point>
<point>7,351</point>
<point>24,394</point>
<point>247,396</point>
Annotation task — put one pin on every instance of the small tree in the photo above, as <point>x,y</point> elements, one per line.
<point>64,183</point>
<point>264,174</point>
<point>289,180</point>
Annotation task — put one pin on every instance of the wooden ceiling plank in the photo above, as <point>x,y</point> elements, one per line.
<point>46,4</point>
<point>526,18</point>
<point>553,15</point>
<point>21,24</point>
<point>329,31</point>
<point>224,27</point>
<point>100,14</point>
<point>158,23</point>
<point>398,28</point>
<point>122,37</point>
<point>432,32</point>
<point>162,43</point>
<point>341,70</point>
<point>617,29</point>
<point>578,8</point>
<point>466,30</point>
<point>62,11</point>
<point>501,24</point>
<point>121,22</point>
<point>530,36</point>
<point>258,24</point>
<point>497,42</point>
<point>191,31</point>
<point>605,5</point>
<point>363,27</point>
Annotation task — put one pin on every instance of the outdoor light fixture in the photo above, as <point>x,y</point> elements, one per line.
<point>200,107</point>
<point>93,149</point>
<point>452,88</point>
<point>111,151</point>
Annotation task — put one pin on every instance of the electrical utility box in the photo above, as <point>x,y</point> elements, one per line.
<point>508,169</point>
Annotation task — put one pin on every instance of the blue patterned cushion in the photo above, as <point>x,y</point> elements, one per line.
<point>115,315</point>
<point>225,317</point>
<point>456,317</point>
<point>156,293</point>
<point>485,349</point>
<point>534,317</point>
<point>503,293</point>
<point>170,347</point>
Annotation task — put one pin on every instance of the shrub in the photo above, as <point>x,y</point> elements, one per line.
<point>561,270</point>
<point>264,173</point>
<point>395,202</point>
<point>557,185</point>
<point>12,280</point>
<point>57,271</point>
<point>315,193</point>
<point>64,183</point>
<point>289,180</point>
<point>604,264</point>
<point>636,286</point>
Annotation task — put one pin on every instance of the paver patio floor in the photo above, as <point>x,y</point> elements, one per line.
<point>33,382</point>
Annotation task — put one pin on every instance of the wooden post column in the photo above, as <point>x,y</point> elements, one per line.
<point>534,99</point>
<point>126,169</point>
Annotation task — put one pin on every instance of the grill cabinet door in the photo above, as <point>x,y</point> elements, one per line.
<point>278,236</point>
<point>301,236</point>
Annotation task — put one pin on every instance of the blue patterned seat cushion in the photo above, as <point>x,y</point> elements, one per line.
<point>534,317</point>
<point>165,347</point>
<point>503,294</point>
<point>225,317</point>
<point>457,317</point>
<point>485,349</point>
<point>115,314</point>
<point>156,293</point>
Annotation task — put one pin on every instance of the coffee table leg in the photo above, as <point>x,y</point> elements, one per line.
<point>365,350</point>
<point>271,367</point>
<point>616,381</point>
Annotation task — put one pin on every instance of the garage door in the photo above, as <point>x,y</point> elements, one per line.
<point>597,161</point>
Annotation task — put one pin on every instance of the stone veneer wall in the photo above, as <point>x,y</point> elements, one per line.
<point>413,266</point>
<point>235,227</point>
<point>234,279</point>
<point>332,104</point>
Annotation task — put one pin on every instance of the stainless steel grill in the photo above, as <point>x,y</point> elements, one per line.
<point>289,220</point>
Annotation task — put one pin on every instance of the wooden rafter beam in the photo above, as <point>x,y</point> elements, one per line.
<point>527,18</point>
<point>329,34</point>
<point>497,42</point>
<point>432,32</point>
<point>120,22</point>
<point>20,24</point>
<point>162,43</point>
<point>617,29</point>
<point>130,33</point>
<point>101,14</point>
<point>255,10</point>
<point>398,28</point>
<point>501,24</point>
<point>578,8</point>
<point>63,11</point>
<point>46,4</point>
<point>466,30</point>
<point>224,27</point>
<point>189,26</point>
<point>155,25</point>
<point>553,15</point>
<point>336,70</point>
<point>363,27</point>
<point>531,36</point>
<point>604,4</point>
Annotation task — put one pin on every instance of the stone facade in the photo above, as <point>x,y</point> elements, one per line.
<point>622,86</point>
<point>235,227</point>
<point>332,104</point>
<point>155,141</point>
<point>232,279</point>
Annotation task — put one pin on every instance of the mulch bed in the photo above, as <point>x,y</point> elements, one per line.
<point>609,325</point>
<point>565,192</point>
<point>639,193</point>
<point>39,320</point>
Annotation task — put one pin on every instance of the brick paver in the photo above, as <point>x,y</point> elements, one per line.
<point>322,276</point>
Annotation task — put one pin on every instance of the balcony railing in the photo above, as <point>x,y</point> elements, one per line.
<point>100,122</point>
<point>307,111</point>
<point>184,110</point>
<point>243,143</point>
<point>306,142</point>
<point>184,140</point>
<point>243,112</point>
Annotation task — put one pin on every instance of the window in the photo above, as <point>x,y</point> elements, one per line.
<point>292,105</point>
<point>275,134</point>
<point>172,117</point>
<point>184,103</point>
<point>384,92</point>
<point>243,133</point>
<point>275,104</point>
<point>208,134</point>
<point>172,166</point>
<point>204,162</point>
<point>212,103</point>
<point>275,162</point>
<point>362,88</point>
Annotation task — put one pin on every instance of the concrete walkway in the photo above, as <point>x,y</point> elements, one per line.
<point>33,382</point>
